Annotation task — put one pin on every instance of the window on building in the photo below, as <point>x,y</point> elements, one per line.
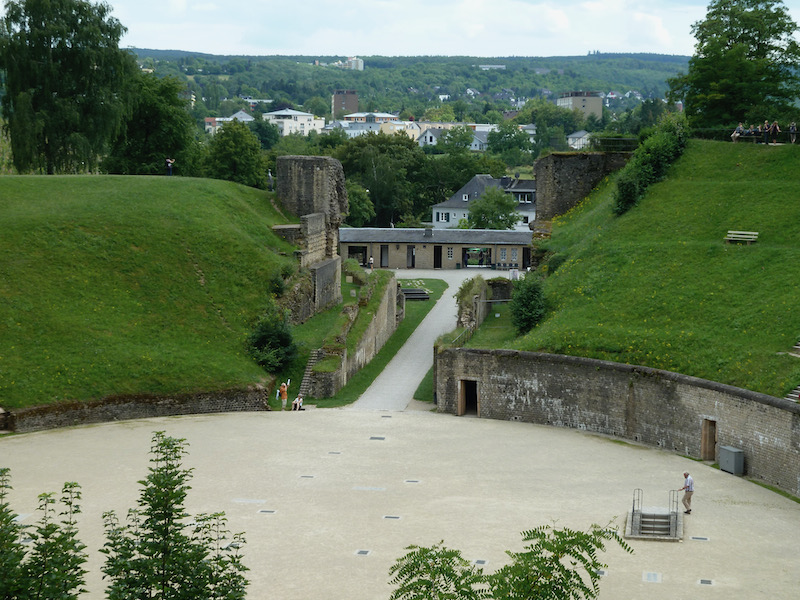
<point>449,253</point>
<point>465,198</point>
<point>514,255</point>
<point>503,254</point>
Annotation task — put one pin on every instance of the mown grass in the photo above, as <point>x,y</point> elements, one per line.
<point>658,286</point>
<point>415,313</point>
<point>130,285</point>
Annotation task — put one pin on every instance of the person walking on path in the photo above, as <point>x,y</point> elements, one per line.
<point>792,132</point>
<point>688,490</point>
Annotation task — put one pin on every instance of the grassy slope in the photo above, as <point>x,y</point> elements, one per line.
<point>658,286</point>
<point>126,285</point>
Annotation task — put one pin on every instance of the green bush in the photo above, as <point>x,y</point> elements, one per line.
<point>270,343</point>
<point>650,162</point>
<point>527,303</point>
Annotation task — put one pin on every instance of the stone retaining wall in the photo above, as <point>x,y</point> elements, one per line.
<point>325,384</point>
<point>134,407</point>
<point>658,408</point>
<point>564,179</point>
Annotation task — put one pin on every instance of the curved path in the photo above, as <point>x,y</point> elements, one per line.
<point>394,388</point>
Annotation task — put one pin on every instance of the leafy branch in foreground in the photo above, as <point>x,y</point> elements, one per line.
<point>559,564</point>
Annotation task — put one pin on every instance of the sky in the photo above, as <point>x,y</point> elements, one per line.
<point>346,28</point>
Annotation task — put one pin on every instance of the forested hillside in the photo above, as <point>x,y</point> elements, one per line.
<point>411,83</point>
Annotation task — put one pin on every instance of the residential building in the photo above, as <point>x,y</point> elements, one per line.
<point>370,117</point>
<point>294,121</point>
<point>357,128</point>
<point>589,103</point>
<point>400,248</point>
<point>430,136</point>
<point>449,213</point>
<point>212,124</point>
<point>343,102</point>
<point>578,140</point>
<point>355,64</point>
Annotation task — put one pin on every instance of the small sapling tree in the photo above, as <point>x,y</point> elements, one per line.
<point>53,567</point>
<point>158,553</point>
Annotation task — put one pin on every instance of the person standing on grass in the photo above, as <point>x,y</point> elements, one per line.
<point>688,491</point>
<point>792,132</point>
<point>774,130</point>
<point>765,132</point>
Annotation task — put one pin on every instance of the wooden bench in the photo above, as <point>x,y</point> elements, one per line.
<point>746,237</point>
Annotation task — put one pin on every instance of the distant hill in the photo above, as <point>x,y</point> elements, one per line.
<point>130,285</point>
<point>394,83</point>
<point>658,287</point>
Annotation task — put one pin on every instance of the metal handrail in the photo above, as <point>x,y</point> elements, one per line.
<point>673,512</point>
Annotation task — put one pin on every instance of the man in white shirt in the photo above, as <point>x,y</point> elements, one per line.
<point>688,489</point>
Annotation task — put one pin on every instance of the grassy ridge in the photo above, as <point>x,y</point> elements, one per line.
<point>127,285</point>
<point>658,286</point>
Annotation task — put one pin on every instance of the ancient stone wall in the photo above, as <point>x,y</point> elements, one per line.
<point>327,278</point>
<point>314,184</point>
<point>653,407</point>
<point>313,188</point>
<point>564,179</point>
<point>387,317</point>
<point>135,407</point>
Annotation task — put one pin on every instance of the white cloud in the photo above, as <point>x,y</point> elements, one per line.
<point>415,27</point>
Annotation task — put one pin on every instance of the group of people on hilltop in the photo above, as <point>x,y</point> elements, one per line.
<point>763,133</point>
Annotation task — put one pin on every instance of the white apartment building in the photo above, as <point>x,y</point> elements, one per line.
<point>294,121</point>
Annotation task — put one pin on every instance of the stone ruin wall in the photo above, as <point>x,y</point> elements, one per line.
<point>313,188</point>
<point>564,179</point>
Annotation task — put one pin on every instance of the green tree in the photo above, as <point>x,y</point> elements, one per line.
<point>361,209</point>
<point>527,303</point>
<point>744,66</point>
<point>267,133</point>
<point>389,167</point>
<point>157,554</point>
<point>510,143</point>
<point>234,154</point>
<point>493,210</point>
<point>559,564</point>
<point>436,573</point>
<point>456,140</point>
<point>159,126</point>
<point>53,568</point>
<point>65,82</point>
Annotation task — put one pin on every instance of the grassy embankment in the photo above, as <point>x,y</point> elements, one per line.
<point>130,285</point>
<point>658,286</point>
